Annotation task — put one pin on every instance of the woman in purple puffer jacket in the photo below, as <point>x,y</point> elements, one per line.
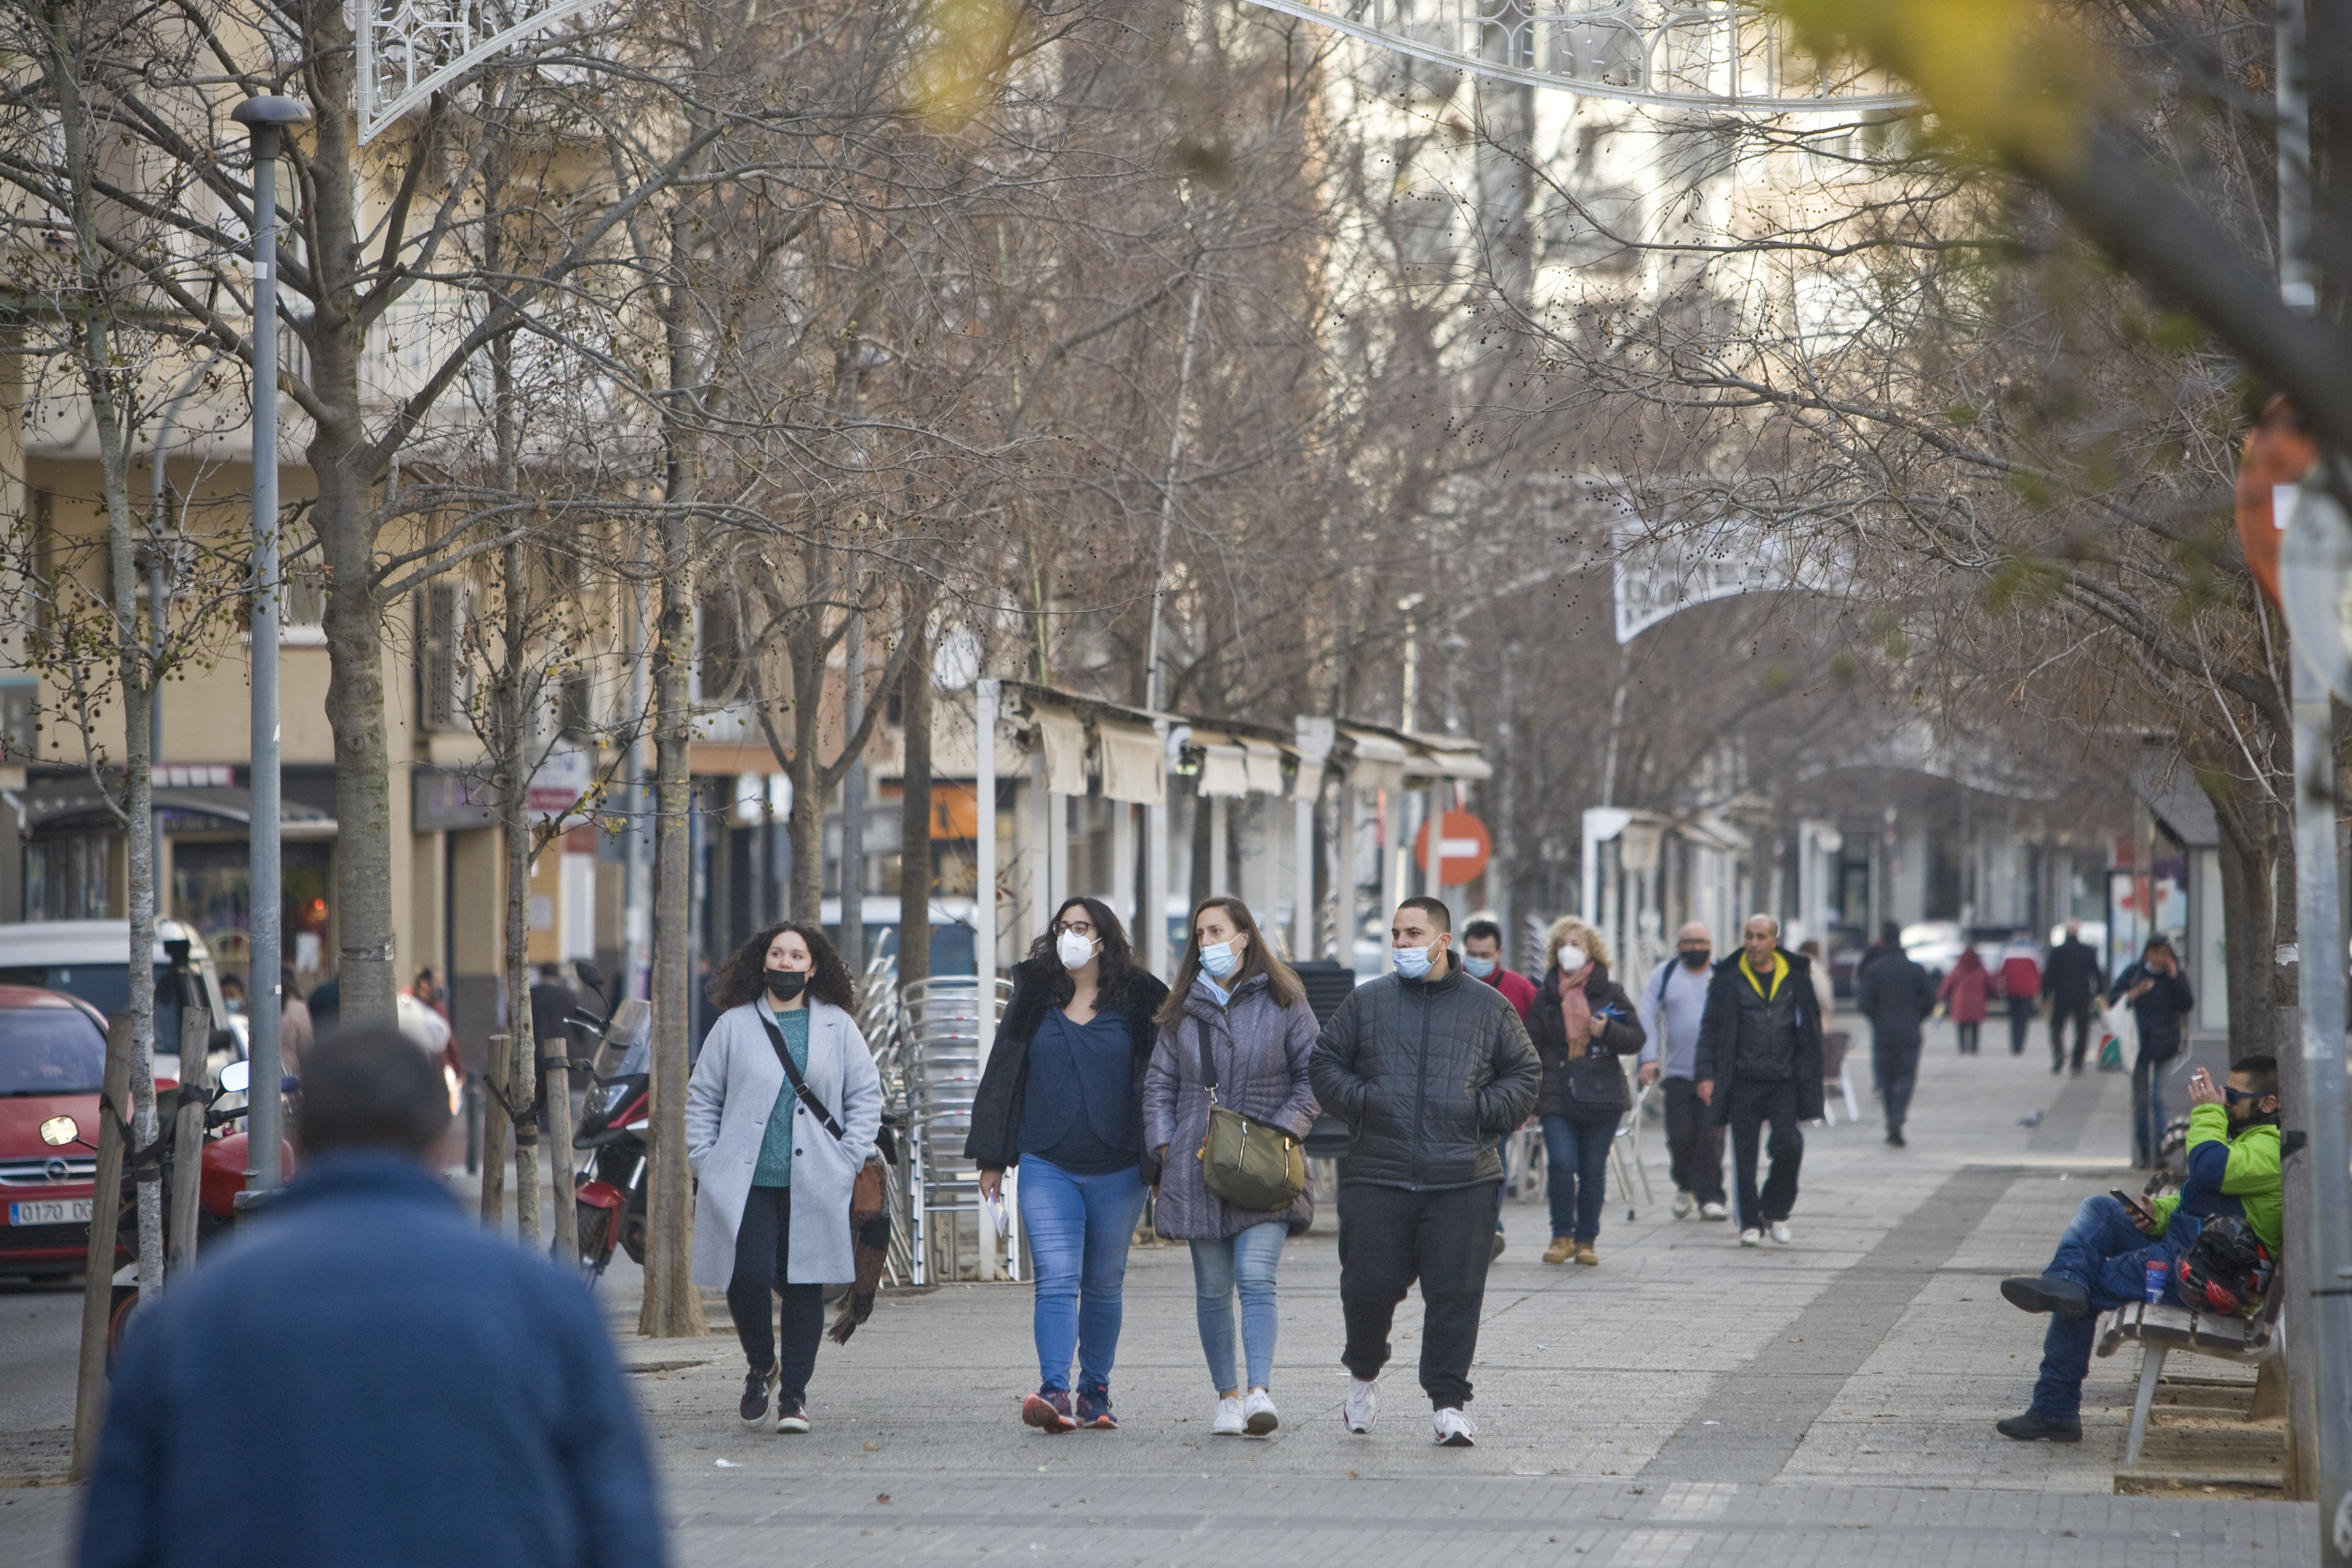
<point>1259,1032</point>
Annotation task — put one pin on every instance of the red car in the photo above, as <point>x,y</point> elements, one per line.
<point>52,1063</point>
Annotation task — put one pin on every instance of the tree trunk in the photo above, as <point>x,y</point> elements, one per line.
<point>805,648</point>
<point>495,1123</point>
<point>98,1268</point>
<point>2248,855</point>
<point>341,514</point>
<point>188,1141</point>
<point>915,813</point>
<point>673,1307</point>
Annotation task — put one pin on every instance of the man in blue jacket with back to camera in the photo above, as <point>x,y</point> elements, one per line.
<point>367,1376</point>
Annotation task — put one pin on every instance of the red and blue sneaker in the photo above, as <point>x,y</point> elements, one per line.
<point>1048,1410</point>
<point>1094,1408</point>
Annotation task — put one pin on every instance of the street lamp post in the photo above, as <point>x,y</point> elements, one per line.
<point>267,120</point>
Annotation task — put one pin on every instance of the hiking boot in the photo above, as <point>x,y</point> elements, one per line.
<point>756,1384</point>
<point>2052,1293</point>
<point>1586,1255</point>
<point>1560,1250</point>
<point>2031,1428</point>
<point>1048,1410</point>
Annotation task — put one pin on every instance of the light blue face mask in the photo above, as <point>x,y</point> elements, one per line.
<point>1413,963</point>
<point>1220,960</point>
<point>1481,968</point>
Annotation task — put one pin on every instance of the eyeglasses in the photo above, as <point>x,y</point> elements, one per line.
<point>1079,927</point>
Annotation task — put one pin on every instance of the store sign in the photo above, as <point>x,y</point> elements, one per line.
<point>566,775</point>
<point>442,802</point>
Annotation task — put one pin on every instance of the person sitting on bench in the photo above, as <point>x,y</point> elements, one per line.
<point>2102,1261</point>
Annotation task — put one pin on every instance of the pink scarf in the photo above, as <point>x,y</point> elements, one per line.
<point>1576,1010</point>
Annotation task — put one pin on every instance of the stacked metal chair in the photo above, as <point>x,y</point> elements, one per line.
<point>939,1028</point>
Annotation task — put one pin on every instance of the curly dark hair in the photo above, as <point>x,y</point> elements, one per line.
<point>738,980</point>
<point>1114,963</point>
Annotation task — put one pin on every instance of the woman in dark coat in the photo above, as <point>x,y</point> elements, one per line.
<point>1581,1021</point>
<point>1062,1097</point>
<point>2161,1000</point>
<point>1245,1007</point>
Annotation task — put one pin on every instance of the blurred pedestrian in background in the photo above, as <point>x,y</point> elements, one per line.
<point>368,1376</point>
<point>1966,994</point>
<point>1581,1023</point>
<point>2021,985</point>
<point>294,1027</point>
<point>2073,982</point>
<point>1758,1061</point>
<point>1824,987</point>
<point>1061,1098</point>
<point>780,1113</point>
<point>1895,993</point>
<point>2160,999</point>
<point>1482,956</point>
<point>1242,1005</point>
<point>1672,1003</point>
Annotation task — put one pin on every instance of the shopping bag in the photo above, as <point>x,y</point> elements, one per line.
<point>2123,1030</point>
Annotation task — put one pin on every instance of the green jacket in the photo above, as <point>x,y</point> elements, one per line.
<point>2230,1173</point>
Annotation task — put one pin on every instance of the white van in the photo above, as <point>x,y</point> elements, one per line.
<point>90,959</point>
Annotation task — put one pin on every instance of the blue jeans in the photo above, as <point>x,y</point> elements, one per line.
<point>1080,1230</point>
<point>1246,1262</point>
<point>1575,1175</point>
<point>2105,1253</point>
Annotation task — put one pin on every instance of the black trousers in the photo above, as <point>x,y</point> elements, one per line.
<point>2020,1019</point>
<point>1389,1237</point>
<point>1895,1065</point>
<point>1694,1143</point>
<point>762,1253</point>
<point>2059,1018</point>
<point>1752,1105</point>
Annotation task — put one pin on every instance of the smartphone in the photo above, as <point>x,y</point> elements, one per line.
<point>2138,1207</point>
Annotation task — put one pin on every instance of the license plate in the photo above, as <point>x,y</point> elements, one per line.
<point>62,1211</point>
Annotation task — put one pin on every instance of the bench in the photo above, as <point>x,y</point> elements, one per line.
<point>2161,1330</point>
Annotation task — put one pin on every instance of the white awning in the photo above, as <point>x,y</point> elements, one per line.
<point>1134,768</point>
<point>1066,750</point>
<point>1430,763</point>
<point>1262,763</point>
<point>1379,763</point>
<point>1224,770</point>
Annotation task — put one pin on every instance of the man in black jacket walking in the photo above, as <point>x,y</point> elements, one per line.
<point>2073,982</point>
<point>1760,1060</point>
<point>1427,1068</point>
<point>1895,993</point>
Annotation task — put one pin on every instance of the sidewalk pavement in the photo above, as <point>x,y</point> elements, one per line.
<point>1689,1402</point>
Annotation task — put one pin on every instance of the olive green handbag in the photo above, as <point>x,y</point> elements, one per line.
<point>1248,1163</point>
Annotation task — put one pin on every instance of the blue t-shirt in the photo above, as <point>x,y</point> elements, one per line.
<point>1078,1112</point>
<point>775,1166</point>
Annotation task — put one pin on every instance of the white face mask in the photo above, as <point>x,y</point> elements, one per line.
<point>1571,958</point>
<point>1073,950</point>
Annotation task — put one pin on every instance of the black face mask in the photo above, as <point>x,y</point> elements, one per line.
<point>785,984</point>
<point>1697,960</point>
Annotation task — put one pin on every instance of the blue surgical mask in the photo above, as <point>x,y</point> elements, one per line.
<point>1221,959</point>
<point>1413,963</point>
<point>1482,968</point>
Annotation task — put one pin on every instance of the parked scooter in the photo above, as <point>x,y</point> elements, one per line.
<point>611,1187</point>
<point>222,1202</point>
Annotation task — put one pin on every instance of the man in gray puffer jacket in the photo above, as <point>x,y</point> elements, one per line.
<point>1428,1068</point>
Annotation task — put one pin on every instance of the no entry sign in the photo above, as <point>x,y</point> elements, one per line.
<point>1463,843</point>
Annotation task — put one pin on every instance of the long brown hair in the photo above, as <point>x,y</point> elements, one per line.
<point>1113,964</point>
<point>738,980</point>
<point>1281,983</point>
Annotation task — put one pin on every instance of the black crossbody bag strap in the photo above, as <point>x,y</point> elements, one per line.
<point>1208,1062</point>
<point>800,1085</point>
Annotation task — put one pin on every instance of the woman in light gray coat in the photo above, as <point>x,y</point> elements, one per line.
<point>773,1179</point>
<point>1259,1033</point>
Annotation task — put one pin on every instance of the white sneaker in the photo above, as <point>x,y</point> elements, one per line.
<point>1781,1231</point>
<point>1258,1413</point>
<point>1362,1407</point>
<point>1751,1237</point>
<point>1454,1430</point>
<point>1227,1422</point>
<point>1683,1202</point>
<point>1713,1211</point>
